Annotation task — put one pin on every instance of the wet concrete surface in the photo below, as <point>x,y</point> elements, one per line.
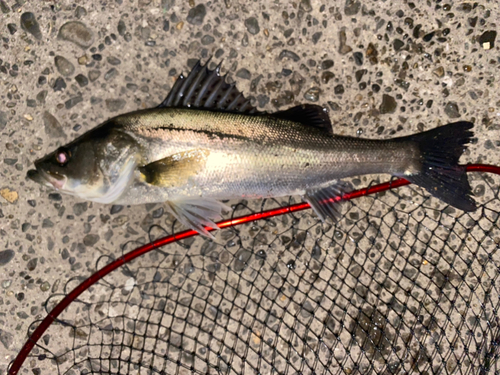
<point>382,69</point>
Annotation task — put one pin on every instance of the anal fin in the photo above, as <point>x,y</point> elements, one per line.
<point>326,202</point>
<point>198,213</point>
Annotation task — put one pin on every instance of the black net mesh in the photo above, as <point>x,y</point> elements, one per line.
<point>401,284</point>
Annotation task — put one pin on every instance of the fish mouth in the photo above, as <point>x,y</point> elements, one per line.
<point>47,178</point>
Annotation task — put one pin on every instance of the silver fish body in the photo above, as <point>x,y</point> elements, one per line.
<point>205,143</point>
<point>253,156</point>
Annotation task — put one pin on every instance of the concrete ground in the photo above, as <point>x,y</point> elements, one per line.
<point>382,68</point>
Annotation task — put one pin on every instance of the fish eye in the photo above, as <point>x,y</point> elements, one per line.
<point>62,156</point>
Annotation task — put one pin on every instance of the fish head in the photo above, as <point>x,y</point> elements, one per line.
<point>98,166</point>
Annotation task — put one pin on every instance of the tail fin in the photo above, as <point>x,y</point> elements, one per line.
<point>441,175</point>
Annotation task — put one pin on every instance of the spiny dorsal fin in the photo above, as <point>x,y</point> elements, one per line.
<point>307,114</point>
<point>205,88</point>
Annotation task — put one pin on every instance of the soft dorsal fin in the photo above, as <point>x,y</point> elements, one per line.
<point>205,88</point>
<point>307,114</point>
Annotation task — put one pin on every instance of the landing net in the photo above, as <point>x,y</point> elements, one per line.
<point>402,284</point>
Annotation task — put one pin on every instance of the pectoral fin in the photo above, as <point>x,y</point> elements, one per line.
<point>198,213</point>
<point>175,170</point>
<point>326,202</point>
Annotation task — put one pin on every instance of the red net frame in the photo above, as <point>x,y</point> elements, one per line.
<point>128,257</point>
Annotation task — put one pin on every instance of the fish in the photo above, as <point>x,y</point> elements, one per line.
<point>206,143</point>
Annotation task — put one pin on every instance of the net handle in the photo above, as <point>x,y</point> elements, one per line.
<point>75,293</point>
